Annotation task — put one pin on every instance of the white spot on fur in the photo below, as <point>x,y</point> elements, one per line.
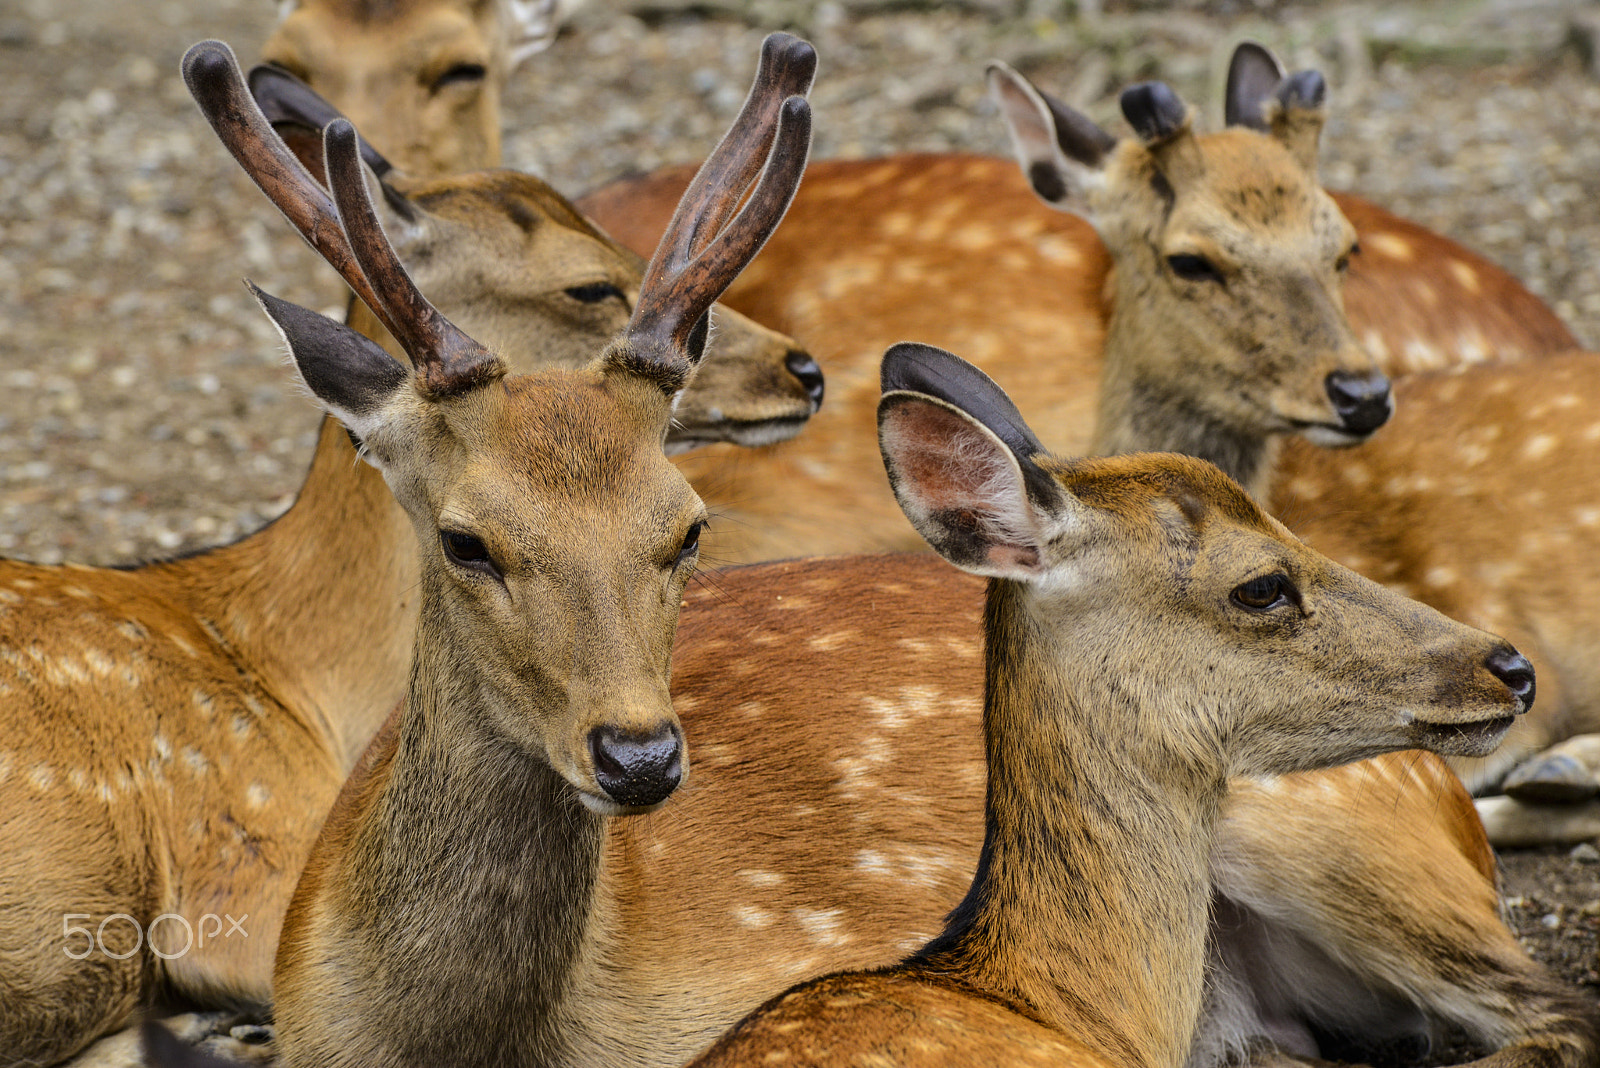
<point>162,746</point>
<point>873,862</point>
<point>99,663</point>
<point>1439,577</point>
<point>196,760</point>
<point>752,917</point>
<point>1464,274</point>
<point>43,776</point>
<point>203,702</point>
<point>257,795</point>
<point>823,925</point>
<point>1538,446</point>
<point>183,644</point>
<point>756,877</point>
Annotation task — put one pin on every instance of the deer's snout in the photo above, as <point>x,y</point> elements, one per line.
<point>1362,402</point>
<point>637,769</point>
<point>1513,669</point>
<point>801,364</point>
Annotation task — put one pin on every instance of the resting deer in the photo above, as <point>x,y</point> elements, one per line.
<point>556,541</point>
<point>422,78</point>
<point>760,871</point>
<point>927,222</point>
<point>1149,632</point>
<point>219,700</point>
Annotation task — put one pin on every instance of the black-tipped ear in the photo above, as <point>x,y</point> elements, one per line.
<point>1154,111</point>
<point>1060,150</point>
<point>1253,75</point>
<point>910,367</point>
<point>350,374</point>
<point>979,499</point>
<point>298,113</point>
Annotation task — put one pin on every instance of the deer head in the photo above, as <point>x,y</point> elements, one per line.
<point>1172,588</point>
<point>1229,258</point>
<point>422,77</point>
<point>519,268</point>
<point>555,536</point>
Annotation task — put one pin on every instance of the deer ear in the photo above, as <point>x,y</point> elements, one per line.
<point>351,376</point>
<point>299,114</point>
<point>1062,151</point>
<point>1253,76</point>
<point>961,463</point>
<point>531,25</point>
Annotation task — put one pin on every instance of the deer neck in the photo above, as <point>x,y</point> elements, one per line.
<point>1145,408</point>
<point>487,844</point>
<point>1091,901</point>
<point>320,604</point>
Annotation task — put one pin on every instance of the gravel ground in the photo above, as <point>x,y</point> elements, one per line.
<point>143,408</point>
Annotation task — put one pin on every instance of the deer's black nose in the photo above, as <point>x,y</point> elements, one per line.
<point>1361,401</point>
<point>637,770</point>
<point>1513,669</point>
<point>803,367</point>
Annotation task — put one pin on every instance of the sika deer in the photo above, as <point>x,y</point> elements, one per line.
<point>423,78</point>
<point>217,702</point>
<point>556,540</point>
<point>1149,632</point>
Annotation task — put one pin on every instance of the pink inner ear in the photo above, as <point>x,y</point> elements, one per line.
<point>935,450</point>
<point>1017,557</point>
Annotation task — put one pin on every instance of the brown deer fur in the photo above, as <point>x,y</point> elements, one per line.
<point>1107,765</point>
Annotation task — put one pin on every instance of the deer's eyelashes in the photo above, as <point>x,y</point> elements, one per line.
<point>468,551</point>
<point>595,292</point>
<point>691,545</point>
<point>1265,593</point>
<point>1194,268</point>
<point>460,74</point>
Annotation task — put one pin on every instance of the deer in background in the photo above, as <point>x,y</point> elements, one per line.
<point>556,542</point>
<point>1149,633</point>
<point>422,78</point>
<point>217,702</point>
<point>907,270</point>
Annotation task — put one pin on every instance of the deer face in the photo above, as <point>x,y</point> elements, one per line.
<point>516,266</point>
<point>556,543</point>
<point>422,79</point>
<point>1229,258</point>
<point>1165,587</point>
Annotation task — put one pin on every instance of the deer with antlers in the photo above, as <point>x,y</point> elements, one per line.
<point>220,700</point>
<point>556,541</point>
<point>1081,941</point>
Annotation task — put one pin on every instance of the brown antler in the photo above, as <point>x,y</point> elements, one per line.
<point>446,359</point>
<point>698,257</point>
<point>214,79</point>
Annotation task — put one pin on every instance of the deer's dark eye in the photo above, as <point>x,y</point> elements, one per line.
<point>461,74</point>
<point>467,551</point>
<point>691,545</point>
<point>1265,593</point>
<point>594,293</point>
<point>1343,263</point>
<point>1192,268</point>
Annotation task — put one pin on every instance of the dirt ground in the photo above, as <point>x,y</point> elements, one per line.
<point>143,406</point>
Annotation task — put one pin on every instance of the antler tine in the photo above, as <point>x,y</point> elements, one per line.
<point>786,68</point>
<point>669,310</point>
<point>446,359</point>
<point>212,74</point>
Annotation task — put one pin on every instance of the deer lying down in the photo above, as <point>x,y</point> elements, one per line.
<point>1149,632</point>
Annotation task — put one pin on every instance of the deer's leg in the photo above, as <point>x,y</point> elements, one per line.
<point>1361,902</point>
<point>1566,773</point>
